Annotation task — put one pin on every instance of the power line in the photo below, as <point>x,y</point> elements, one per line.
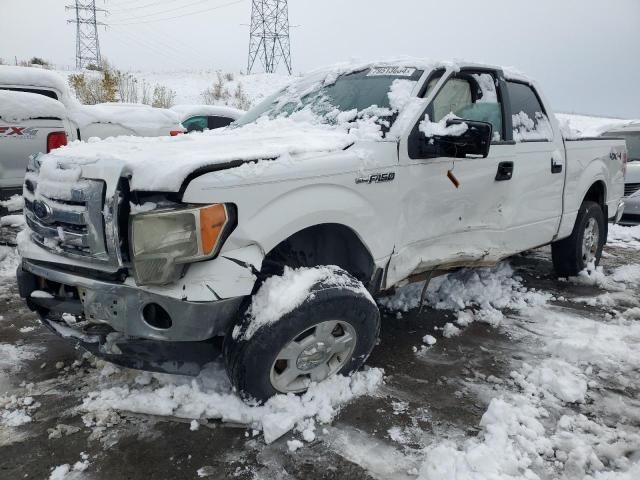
<point>165,11</point>
<point>269,38</point>
<point>224,5</point>
<point>87,42</point>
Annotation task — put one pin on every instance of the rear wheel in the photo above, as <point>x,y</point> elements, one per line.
<point>332,332</point>
<point>584,246</point>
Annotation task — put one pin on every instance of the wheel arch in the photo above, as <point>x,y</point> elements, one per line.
<point>323,244</point>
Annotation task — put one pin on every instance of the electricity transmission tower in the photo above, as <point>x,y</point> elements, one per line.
<point>269,38</point>
<point>87,43</point>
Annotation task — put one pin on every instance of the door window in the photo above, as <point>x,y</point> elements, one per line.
<point>195,124</point>
<point>530,122</point>
<point>470,96</point>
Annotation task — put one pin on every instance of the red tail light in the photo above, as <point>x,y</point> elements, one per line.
<point>56,140</point>
<point>175,133</point>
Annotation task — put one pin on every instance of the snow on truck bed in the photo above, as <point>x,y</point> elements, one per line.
<point>19,106</point>
<point>162,164</point>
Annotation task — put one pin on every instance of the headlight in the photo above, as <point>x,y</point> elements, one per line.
<point>162,242</point>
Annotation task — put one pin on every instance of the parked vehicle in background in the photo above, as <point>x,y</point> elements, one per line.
<point>630,132</point>
<point>101,121</point>
<point>29,124</point>
<point>274,234</point>
<point>197,118</point>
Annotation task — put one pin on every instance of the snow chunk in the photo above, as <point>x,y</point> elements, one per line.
<point>431,129</point>
<point>429,340</point>
<point>281,295</point>
<point>294,445</point>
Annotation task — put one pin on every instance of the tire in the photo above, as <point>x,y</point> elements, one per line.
<point>569,256</point>
<point>253,365</point>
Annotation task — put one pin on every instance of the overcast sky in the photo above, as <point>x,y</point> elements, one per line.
<point>585,53</point>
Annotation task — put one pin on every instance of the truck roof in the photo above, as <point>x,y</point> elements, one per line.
<point>18,106</point>
<point>37,77</point>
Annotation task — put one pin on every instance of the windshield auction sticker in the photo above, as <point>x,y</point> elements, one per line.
<point>391,71</point>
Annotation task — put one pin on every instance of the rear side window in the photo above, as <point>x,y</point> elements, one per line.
<point>530,122</point>
<point>219,122</point>
<point>46,93</point>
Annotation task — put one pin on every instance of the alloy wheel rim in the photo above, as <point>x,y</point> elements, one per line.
<point>313,355</point>
<point>590,241</point>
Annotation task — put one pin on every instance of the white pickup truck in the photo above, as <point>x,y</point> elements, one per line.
<point>272,237</point>
<point>29,124</point>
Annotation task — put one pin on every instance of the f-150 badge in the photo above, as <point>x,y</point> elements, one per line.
<point>377,178</point>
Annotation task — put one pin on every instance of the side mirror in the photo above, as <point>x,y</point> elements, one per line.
<point>476,140</point>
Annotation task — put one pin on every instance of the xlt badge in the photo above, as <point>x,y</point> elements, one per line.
<point>377,178</point>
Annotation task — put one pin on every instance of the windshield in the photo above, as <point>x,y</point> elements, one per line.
<point>367,93</point>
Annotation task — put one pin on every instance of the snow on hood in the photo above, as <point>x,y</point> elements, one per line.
<point>163,163</point>
<point>17,106</point>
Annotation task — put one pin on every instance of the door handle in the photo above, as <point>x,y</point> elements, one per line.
<point>555,167</point>
<point>505,171</point>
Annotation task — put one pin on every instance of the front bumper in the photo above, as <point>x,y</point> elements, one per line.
<point>125,308</point>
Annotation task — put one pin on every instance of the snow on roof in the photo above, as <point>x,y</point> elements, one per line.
<point>37,77</point>
<point>18,106</point>
<point>134,116</point>
<point>162,163</point>
<point>188,111</point>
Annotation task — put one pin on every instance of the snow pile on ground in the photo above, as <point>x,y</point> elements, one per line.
<point>476,294</point>
<point>12,221</point>
<point>563,416</point>
<point>210,396</point>
<point>280,295</point>
<point>16,411</point>
<point>624,237</point>
<point>70,472</point>
<point>13,204</point>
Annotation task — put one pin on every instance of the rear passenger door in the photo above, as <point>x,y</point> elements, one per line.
<point>535,205</point>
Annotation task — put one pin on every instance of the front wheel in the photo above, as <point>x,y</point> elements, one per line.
<point>584,247</point>
<point>332,331</point>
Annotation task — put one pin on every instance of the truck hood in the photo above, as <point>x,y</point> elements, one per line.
<point>162,164</point>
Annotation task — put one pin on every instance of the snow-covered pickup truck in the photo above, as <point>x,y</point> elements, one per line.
<point>99,121</point>
<point>29,124</point>
<point>272,238</point>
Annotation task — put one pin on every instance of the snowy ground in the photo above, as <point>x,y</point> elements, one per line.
<point>507,373</point>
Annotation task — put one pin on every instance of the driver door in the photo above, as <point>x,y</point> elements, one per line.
<point>452,209</point>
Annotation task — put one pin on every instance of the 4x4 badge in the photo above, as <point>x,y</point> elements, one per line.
<point>377,178</point>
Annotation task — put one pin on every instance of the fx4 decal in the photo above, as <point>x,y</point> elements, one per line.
<point>615,156</point>
<point>18,131</point>
<point>377,178</point>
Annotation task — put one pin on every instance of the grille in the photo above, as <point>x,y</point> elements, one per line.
<point>631,188</point>
<point>72,226</point>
